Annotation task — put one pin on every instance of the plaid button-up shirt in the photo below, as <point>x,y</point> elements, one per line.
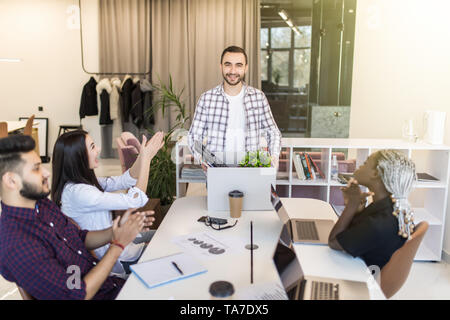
<point>211,121</point>
<point>37,248</point>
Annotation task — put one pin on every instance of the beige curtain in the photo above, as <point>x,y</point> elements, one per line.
<point>188,37</point>
<point>124,28</point>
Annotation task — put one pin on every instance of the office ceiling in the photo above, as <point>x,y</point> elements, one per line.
<point>297,10</point>
<point>294,4</point>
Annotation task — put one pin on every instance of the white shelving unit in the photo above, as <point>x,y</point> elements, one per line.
<point>429,199</point>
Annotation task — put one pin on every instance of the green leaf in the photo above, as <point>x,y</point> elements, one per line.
<point>162,179</point>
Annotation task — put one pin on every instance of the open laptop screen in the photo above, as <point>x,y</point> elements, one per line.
<point>285,236</point>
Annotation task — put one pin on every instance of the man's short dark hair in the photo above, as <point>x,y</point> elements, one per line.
<point>11,149</point>
<point>236,50</point>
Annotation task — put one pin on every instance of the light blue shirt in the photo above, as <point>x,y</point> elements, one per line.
<point>91,209</point>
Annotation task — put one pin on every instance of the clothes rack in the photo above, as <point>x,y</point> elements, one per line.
<point>104,73</point>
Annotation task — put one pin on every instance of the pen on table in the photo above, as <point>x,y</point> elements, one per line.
<point>251,251</point>
<point>178,268</point>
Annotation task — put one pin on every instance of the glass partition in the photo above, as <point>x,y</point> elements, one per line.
<point>306,61</point>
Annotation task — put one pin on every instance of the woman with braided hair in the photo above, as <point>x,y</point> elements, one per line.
<point>375,232</point>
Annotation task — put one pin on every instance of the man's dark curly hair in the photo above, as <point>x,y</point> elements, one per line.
<point>11,149</point>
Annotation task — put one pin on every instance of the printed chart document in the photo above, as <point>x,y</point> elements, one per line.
<point>157,272</point>
<point>207,245</point>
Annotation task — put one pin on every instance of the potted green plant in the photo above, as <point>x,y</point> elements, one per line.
<point>261,161</point>
<point>256,159</point>
<point>162,177</point>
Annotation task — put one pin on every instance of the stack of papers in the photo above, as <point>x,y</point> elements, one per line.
<point>157,272</point>
<point>422,176</point>
<point>192,172</point>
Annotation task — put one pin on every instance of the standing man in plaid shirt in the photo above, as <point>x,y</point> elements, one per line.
<point>40,249</point>
<point>234,116</point>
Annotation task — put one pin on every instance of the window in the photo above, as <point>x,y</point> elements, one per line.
<point>285,57</point>
<point>306,62</point>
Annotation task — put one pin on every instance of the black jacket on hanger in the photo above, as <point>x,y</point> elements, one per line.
<point>149,118</point>
<point>148,112</point>
<point>88,104</point>
<point>137,110</point>
<point>127,89</point>
<point>105,115</point>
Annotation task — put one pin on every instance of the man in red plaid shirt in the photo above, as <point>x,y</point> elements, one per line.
<point>40,249</point>
<point>233,117</point>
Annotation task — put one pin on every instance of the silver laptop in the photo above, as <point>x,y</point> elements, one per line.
<point>320,288</point>
<point>255,183</point>
<point>207,156</point>
<point>313,231</point>
<point>301,287</point>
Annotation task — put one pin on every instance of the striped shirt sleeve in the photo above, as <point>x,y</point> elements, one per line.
<point>199,126</point>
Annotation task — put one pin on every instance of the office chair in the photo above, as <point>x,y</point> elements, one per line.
<point>29,126</point>
<point>128,147</point>
<point>130,140</point>
<point>127,153</point>
<point>3,129</point>
<point>396,271</point>
<point>25,295</point>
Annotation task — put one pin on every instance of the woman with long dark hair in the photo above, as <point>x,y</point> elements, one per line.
<point>89,200</point>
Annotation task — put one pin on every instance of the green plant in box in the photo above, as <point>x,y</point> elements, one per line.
<point>259,158</point>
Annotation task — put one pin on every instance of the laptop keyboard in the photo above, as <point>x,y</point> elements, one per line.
<point>306,230</point>
<point>324,291</point>
<point>220,165</point>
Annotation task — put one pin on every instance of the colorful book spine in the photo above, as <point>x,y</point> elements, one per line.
<point>305,166</point>
<point>310,168</point>
<point>316,168</point>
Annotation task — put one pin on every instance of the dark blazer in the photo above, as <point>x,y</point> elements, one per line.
<point>127,89</point>
<point>88,104</point>
<point>141,105</point>
<point>105,115</point>
<point>137,110</point>
<point>148,113</point>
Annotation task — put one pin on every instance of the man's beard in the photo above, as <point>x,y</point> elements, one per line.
<point>29,191</point>
<point>239,79</point>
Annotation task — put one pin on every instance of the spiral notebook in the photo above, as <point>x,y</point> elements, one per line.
<point>164,270</point>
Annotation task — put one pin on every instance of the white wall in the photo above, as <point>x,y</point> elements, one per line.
<point>42,34</point>
<point>401,68</point>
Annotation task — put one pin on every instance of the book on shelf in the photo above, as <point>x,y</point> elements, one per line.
<point>310,167</point>
<point>305,166</point>
<point>299,167</point>
<point>316,167</point>
<point>425,177</point>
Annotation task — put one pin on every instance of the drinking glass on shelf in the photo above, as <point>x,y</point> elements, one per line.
<point>408,131</point>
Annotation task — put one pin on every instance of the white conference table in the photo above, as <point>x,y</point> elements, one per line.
<point>235,268</point>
